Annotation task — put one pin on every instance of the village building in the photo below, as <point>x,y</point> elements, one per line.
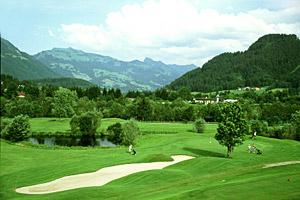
<point>249,88</point>
<point>213,100</point>
<point>21,94</point>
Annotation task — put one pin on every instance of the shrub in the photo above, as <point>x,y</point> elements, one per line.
<point>199,125</point>
<point>17,129</point>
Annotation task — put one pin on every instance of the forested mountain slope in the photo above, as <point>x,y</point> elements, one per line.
<point>109,72</point>
<point>273,59</point>
<point>21,65</point>
<point>64,82</point>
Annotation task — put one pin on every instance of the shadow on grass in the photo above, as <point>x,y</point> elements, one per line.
<point>205,153</point>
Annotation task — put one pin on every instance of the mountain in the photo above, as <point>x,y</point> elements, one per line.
<point>109,72</point>
<point>21,65</point>
<point>273,60</point>
<point>64,82</point>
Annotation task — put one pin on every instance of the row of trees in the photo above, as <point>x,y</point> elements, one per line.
<point>65,103</point>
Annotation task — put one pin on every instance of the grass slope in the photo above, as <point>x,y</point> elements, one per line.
<point>199,178</point>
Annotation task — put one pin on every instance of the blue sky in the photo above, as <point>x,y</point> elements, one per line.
<point>173,31</point>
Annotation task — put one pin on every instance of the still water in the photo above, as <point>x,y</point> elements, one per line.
<point>71,141</point>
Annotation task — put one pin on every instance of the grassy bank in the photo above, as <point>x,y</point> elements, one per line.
<point>208,176</point>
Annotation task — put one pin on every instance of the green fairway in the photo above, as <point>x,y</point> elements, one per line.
<point>208,176</point>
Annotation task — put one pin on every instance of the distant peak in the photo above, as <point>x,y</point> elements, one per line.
<point>151,61</point>
<point>148,60</point>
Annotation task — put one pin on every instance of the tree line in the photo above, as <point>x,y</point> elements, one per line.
<point>266,109</point>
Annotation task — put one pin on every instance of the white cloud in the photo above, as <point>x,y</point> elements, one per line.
<point>174,31</point>
<point>51,33</point>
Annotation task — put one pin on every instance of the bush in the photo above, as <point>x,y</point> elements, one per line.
<point>199,125</point>
<point>17,129</point>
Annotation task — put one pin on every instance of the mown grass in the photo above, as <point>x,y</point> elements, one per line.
<point>209,176</point>
<point>62,126</point>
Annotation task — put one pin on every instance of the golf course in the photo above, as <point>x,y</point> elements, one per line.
<point>208,175</point>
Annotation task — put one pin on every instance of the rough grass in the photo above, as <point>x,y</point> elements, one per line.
<point>208,176</point>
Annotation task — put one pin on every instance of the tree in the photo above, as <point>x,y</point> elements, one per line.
<point>115,132</point>
<point>144,109</point>
<point>295,120</point>
<point>18,129</point>
<point>89,122</point>
<point>259,127</point>
<point>185,93</point>
<point>64,102</point>
<point>74,122</point>
<point>2,105</point>
<point>199,125</point>
<point>233,127</point>
<point>130,132</point>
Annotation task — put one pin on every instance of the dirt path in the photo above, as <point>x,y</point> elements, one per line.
<point>98,178</point>
<point>281,163</point>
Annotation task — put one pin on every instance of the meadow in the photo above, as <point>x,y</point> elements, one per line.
<point>208,176</point>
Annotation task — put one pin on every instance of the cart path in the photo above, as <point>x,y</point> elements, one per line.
<point>281,163</point>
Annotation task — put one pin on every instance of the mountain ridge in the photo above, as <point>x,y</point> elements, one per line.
<point>21,65</point>
<point>110,72</point>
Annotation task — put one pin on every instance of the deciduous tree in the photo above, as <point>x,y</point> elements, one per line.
<point>17,129</point>
<point>233,127</point>
<point>130,132</point>
<point>64,101</point>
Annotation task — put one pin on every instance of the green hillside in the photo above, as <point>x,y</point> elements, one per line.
<point>21,65</point>
<point>109,72</point>
<point>273,60</point>
<point>64,82</point>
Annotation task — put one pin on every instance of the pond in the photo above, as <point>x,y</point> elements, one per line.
<point>71,141</point>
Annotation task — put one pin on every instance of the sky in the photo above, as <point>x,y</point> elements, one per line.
<point>172,31</point>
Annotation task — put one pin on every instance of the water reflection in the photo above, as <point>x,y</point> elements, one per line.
<point>71,141</point>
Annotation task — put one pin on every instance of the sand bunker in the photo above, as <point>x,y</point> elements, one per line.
<point>281,163</point>
<point>98,178</point>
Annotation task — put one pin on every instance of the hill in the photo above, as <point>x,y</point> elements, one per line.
<point>21,65</point>
<point>64,82</point>
<point>109,72</point>
<point>273,60</point>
